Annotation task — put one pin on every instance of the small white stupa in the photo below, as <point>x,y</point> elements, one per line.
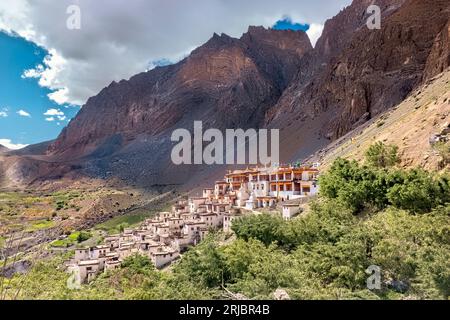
<point>252,202</point>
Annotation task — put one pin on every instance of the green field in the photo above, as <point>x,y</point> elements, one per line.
<point>129,220</point>
<point>73,239</point>
<point>40,225</point>
<point>33,211</point>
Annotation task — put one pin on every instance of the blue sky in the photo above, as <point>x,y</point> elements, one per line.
<point>287,24</point>
<point>23,103</point>
<point>27,115</point>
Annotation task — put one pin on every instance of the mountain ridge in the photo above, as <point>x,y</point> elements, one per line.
<point>207,76</point>
<point>265,79</point>
<point>375,71</point>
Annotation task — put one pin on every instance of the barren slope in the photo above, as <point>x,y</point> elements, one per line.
<point>409,126</point>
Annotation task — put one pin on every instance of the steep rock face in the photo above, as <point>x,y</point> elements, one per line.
<point>376,69</point>
<point>439,58</point>
<point>379,69</point>
<point>276,52</point>
<point>226,83</point>
<point>337,34</point>
<point>340,30</point>
<point>125,130</point>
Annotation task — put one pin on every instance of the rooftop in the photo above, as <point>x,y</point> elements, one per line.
<point>88,262</point>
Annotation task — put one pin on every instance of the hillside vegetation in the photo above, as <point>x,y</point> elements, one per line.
<point>367,215</point>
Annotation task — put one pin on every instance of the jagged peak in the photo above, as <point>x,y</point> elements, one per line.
<point>292,39</point>
<point>221,38</point>
<point>253,29</point>
<point>263,30</point>
<point>217,41</point>
<point>260,32</point>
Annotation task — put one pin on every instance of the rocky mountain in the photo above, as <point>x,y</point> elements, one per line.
<point>226,83</point>
<point>267,78</point>
<point>369,73</point>
<point>415,126</point>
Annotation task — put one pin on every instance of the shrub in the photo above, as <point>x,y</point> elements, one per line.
<point>443,148</point>
<point>359,187</point>
<point>265,228</point>
<point>83,236</point>
<point>380,155</point>
<point>418,191</point>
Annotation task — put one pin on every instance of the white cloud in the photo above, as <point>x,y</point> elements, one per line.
<point>55,113</point>
<point>10,145</point>
<point>118,41</point>
<point>50,119</point>
<point>314,32</point>
<point>23,113</point>
<point>4,113</point>
<point>33,73</point>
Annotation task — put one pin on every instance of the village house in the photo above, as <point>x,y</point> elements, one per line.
<point>289,211</point>
<point>163,256</point>
<point>166,236</point>
<point>228,221</point>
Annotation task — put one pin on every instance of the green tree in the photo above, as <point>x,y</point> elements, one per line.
<point>83,236</point>
<point>418,191</point>
<point>360,187</point>
<point>204,264</point>
<point>355,186</point>
<point>138,263</point>
<point>265,228</point>
<point>380,155</point>
<point>122,227</point>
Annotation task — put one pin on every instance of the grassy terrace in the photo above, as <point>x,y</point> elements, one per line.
<point>131,219</point>
<point>40,225</point>
<point>73,239</point>
<point>114,225</point>
<point>34,211</point>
